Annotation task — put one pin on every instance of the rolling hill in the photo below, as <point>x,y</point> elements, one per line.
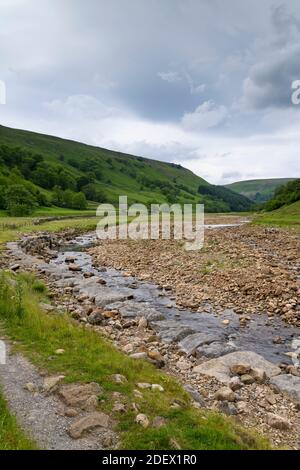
<point>51,168</point>
<point>258,191</point>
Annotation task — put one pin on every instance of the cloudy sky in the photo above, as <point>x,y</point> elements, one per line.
<point>204,83</point>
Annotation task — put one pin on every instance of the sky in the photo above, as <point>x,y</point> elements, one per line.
<point>203,83</point>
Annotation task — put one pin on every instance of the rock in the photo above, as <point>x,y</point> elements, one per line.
<point>159,422</point>
<point>119,408</point>
<point>59,351</point>
<point>170,331</point>
<point>240,369</point>
<point>220,367</point>
<point>195,395</point>
<point>278,422</point>
<point>235,383</point>
<point>87,423</point>
<point>259,375</point>
<point>31,387</point>
<point>228,408</point>
<point>191,342</point>
<point>118,378</point>
<point>96,318</point>
<point>71,412</point>
<point>293,370</point>
<point>174,444</point>
<point>143,385</point>
<point>288,385</point>
<point>142,420</point>
<point>46,307</point>
<point>157,387</point>
<point>84,396</point>
<point>271,399</point>
<point>137,394</point>
<point>183,365</point>
<point>247,379</point>
<point>242,407</point>
<point>225,394</point>
<point>156,356</point>
<point>15,267</point>
<point>225,322</point>
<point>74,267</point>
<point>140,355</point>
<point>143,322</point>
<point>51,383</point>
<point>215,349</point>
<point>128,348</point>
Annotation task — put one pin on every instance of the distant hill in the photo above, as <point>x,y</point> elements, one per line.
<point>284,196</point>
<point>260,190</point>
<point>52,168</point>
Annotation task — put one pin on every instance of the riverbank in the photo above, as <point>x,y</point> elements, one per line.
<point>100,300</point>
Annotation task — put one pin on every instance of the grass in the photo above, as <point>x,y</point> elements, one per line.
<point>90,357</point>
<point>11,437</point>
<point>12,228</point>
<point>287,216</point>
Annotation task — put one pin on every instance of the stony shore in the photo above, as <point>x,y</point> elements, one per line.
<point>244,385</point>
<point>249,269</point>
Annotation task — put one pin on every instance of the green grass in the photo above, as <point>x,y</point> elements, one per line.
<point>287,216</point>
<point>258,190</point>
<point>90,357</point>
<point>141,179</point>
<point>12,228</point>
<point>11,437</point>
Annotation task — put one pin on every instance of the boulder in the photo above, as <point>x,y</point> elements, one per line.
<point>84,396</point>
<point>220,368</point>
<point>87,423</point>
<point>278,422</point>
<point>288,385</point>
<point>225,394</point>
<point>143,420</point>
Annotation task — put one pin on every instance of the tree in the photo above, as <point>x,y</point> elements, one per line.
<point>57,197</point>
<point>19,201</point>
<point>79,201</point>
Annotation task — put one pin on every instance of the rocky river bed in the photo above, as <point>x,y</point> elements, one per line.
<point>248,370</point>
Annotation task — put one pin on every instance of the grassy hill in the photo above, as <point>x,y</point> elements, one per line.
<point>258,191</point>
<point>284,207</point>
<point>48,166</point>
<point>286,216</point>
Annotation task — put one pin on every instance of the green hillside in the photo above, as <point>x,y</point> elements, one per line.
<point>288,216</point>
<point>258,191</point>
<point>64,173</point>
<point>284,207</point>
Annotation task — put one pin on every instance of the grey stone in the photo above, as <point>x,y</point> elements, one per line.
<point>87,423</point>
<point>287,384</point>
<point>220,367</point>
<point>190,343</point>
<point>215,349</point>
<point>195,395</point>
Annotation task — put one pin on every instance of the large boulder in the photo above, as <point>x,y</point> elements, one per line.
<point>220,368</point>
<point>287,384</point>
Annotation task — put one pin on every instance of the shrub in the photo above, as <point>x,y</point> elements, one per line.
<point>19,202</point>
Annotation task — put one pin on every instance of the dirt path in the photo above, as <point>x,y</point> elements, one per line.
<point>40,415</point>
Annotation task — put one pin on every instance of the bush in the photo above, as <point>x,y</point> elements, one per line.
<point>19,202</point>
